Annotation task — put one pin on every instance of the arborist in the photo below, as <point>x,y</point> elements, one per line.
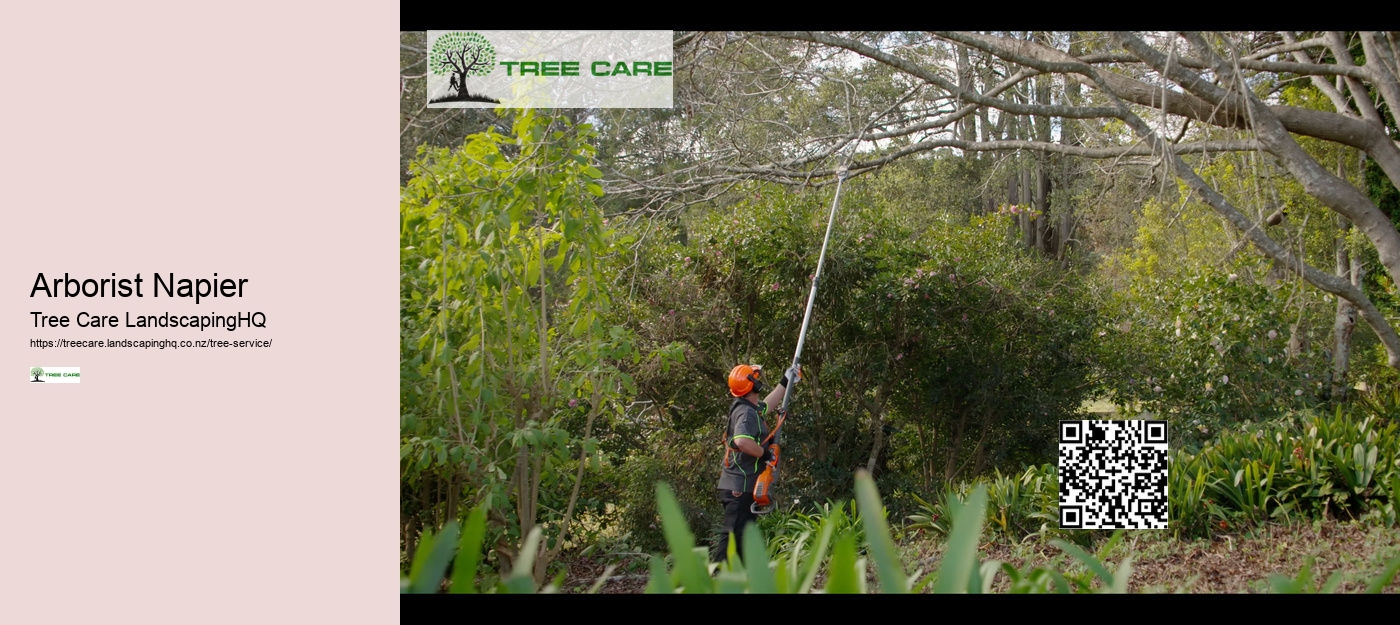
<point>748,448</point>
<point>751,452</point>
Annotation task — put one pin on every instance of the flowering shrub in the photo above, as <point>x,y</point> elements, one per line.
<point>1209,349</point>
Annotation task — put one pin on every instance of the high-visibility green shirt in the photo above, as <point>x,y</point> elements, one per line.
<point>740,470</point>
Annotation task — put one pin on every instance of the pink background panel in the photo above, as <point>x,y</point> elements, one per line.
<point>257,140</point>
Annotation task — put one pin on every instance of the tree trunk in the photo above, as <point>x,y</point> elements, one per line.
<point>1044,232</point>
<point>462,85</point>
<point>1345,319</point>
<point>925,467</point>
<point>967,128</point>
<point>877,422</point>
<point>410,535</point>
<point>954,444</point>
<point>1027,194</point>
<point>453,486</point>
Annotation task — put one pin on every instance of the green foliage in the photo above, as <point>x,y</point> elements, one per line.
<point>790,530</point>
<point>1190,512</point>
<point>507,356</point>
<point>462,51</point>
<point>1020,506</point>
<point>960,571</point>
<point>794,571</point>
<point>1303,583</point>
<point>1205,350</point>
<point>923,339</point>
<point>1024,505</point>
<point>1342,464</point>
<point>436,552</point>
<point>1339,463</point>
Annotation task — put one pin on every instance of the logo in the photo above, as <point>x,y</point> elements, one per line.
<point>54,375</point>
<point>461,55</point>
<point>549,69</point>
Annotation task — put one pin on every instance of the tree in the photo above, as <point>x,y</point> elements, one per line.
<point>462,54</point>
<point>420,125</point>
<point>505,340</point>
<point>36,372</point>
<point>1160,99</point>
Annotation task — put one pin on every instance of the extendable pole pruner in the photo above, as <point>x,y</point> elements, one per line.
<point>762,490</point>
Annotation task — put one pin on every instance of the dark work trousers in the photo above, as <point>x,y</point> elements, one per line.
<point>738,513</point>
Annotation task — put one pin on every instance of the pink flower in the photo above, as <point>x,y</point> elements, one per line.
<point>899,357</point>
<point>838,393</point>
<point>573,403</point>
<point>687,259</point>
<point>776,287</point>
<point>1273,334</point>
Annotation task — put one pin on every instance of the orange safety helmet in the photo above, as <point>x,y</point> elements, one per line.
<point>742,379</point>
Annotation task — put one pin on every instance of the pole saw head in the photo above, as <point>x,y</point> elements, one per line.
<point>763,502</point>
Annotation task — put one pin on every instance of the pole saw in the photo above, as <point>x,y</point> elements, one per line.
<point>762,490</point>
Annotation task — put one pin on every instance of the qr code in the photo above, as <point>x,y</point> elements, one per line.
<point>1113,474</point>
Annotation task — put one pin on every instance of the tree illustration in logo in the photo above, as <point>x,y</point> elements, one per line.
<point>459,55</point>
<point>36,372</point>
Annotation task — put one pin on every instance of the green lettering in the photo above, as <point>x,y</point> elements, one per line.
<point>529,67</point>
<point>595,68</point>
<point>508,64</point>
<point>549,68</point>
<point>569,68</point>
<point>621,68</point>
<point>663,68</point>
<point>641,68</point>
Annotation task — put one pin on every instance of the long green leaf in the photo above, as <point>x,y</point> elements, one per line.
<point>1377,585</point>
<point>420,556</point>
<point>756,562</point>
<point>689,570</point>
<point>660,582</point>
<point>469,552</point>
<point>429,577</point>
<point>986,576</point>
<point>877,536</point>
<point>814,564</point>
<point>730,582</point>
<point>841,574</point>
<point>522,577</point>
<point>1089,561</point>
<point>960,556</point>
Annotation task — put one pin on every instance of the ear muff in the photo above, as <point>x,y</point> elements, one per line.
<point>758,385</point>
<point>745,379</point>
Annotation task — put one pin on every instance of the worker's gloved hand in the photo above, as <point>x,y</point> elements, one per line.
<point>792,375</point>
<point>767,455</point>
